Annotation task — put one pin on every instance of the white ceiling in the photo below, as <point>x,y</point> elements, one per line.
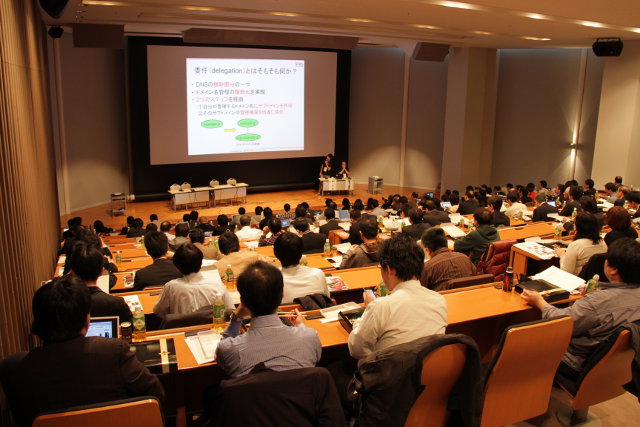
<point>478,23</point>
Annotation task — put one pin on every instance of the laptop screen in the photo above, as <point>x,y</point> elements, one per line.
<point>285,222</point>
<point>343,215</point>
<point>445,205</point>
<point>103,327</point>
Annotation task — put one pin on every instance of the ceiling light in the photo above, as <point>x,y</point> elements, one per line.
<point>536,38</point>
<point>482,33</point>
<point>283,13</point>
<point>456,4</point>
<point>636,30</point>
<point>199,8</point>
<point>591,24</point>
<point>425,27</point>
<point>358,20</point>
<point>534,16</point>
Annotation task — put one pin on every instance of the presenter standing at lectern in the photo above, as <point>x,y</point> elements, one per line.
<point>326,170</point>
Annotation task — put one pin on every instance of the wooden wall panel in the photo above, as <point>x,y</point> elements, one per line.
<point>29,224</point>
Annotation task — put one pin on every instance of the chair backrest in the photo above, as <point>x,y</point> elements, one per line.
<point>605,379</point>
<point>595,265</point>
<point>496,258</point>
<point>334,237</point>
<point>201,316</point>
<point>463,282</point>
<point>128,413</point>
<point>441,369</point>
<point>520,376</point>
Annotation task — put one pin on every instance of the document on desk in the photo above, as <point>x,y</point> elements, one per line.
<point>251,243</point>
<point>203,345</point>
<point>453,231</point>
<point>560,278</point>
<point>132,301</point>
<point>536,249</point>
<point>335,261</point>
<point>330,314</point>
<point>343,248</point>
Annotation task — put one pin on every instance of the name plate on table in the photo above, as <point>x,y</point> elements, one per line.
<point>159,356</point>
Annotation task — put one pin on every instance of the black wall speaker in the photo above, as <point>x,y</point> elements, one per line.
<point>54,7</point>
<point>607,47</point>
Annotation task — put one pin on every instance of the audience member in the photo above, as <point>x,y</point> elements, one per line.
<point>193,220</point>
<point>469,204</point>
<point>376,210</point>
<point>312,243</point>
<point>69,369</point>
<point>162,270</point>
<point>599,313</point>
<point>366,253</point>
<point>205,225</point>
<point>443,265</point>
<point>514,207</point>
<point>540,213</point>
<point>586,243</point>
<point>268,213</point>
<point>417,227</point>
<point>100,229</point>
<point>332,223</point>
<point>136,230</point>
<point>432,215</point>
<point>498,218</point>
<point>354,229</point>
<point>257,216</point>
<point>192,291</point>
<point>125,229</point>
<point>299,280</point>
<point>589,189</point>
<point>196,236</point>
<point>268,341</point>
<point>182,233</point>
<point>287,214</point>
<point>610,190</point>
<point>477,241</point>
<point>633,202</point>
<point>410,312</point>
<point>87,264</point>
<point>271,231</point>
<point>573,203</point>
<point>223,225</point>
<point>620,222</point>
<point>165,228</point>
<point>229,246</point>
<point>153,219</point>
<point>246,232</point>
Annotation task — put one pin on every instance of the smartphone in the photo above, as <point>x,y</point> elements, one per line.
<point>371,294</point>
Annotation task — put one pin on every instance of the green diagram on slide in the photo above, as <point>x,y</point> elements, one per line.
<point>243,123</point>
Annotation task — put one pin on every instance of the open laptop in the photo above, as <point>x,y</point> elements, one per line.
<point>286,222</point>
<point>343,215</point>
<point>107,327</point>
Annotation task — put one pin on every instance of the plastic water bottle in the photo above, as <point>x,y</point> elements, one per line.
<point>303,260</point>
<point>592,284</point>
<point>327,248</point>
<point>218,311</point>
<point>229,274</point>
<point>118,257</point>
<point>139,326</point>
<point>574,214</point>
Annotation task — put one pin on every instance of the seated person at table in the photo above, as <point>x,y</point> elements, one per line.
<point>246,232</point>
<point>354,229</point>
<point>193,291</point>
<point>287,214</point>
<point>233,256</point>
<point>366,253</point>
<point>633,202</point>
<point>575,193</point>
<point>586,242</point>
<point>204,224</point>
<point>136,230</point>
<point>478,240</point>
<point>610,191</point>
<point>182,233</point>
<point>162,270</point>
<point>236,218</point>
<point>432,215</point>
<point>443,264</point>
<point>417,227</point>
<point>589,189</point>
<point>498,218</point>
<point>312,243</point>
<point>193,220</point>
<point>270,232</point>
<point>599,313</point>
<point>268,340</point>
<point>223,225</point>
<point>469,204</point>
<point>514,207</point>
<point>267,213</point>
<point>125,229</point>
<point>257,216</point>
<point>376,210</point>
<point>542,209</point>
<point>620,222</point>
<point>332,222</point>
<point>69,369</point>
<point>411,311</point>
<point>165,228</point>
<point>87,263</point>
<point>208,251</point>
<point>299,280</point>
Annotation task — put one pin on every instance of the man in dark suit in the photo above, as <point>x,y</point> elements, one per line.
<point>354,230</point>
<point>312,243</point>
<point>70,369</point>
<point>86,263</point>
<point>332,223</point>
<point>432,215</point>
<point>162,270</point>
<point>417,227</point>
<point>542,209</point>
<point>494,205</point>
<point>575,193</point>
<point>182,233</point>
<point>469,205</point>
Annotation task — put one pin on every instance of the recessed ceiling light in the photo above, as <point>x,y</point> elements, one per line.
<point>534,16</point>
<point>358,20</point>
<point>591,24</point>
<point>283,13</point>
<point>425,27</point>
<point>482,33</point>
<point>101,3</point>
<point>536,38</point>
<point>636,30</point>
<point>456,4</point>
<point>200,8</point>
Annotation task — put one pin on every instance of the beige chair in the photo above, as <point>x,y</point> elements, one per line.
<point>602,379</point>
<point>126,413</point>
<point>518,380</point>
<point>441,369</point>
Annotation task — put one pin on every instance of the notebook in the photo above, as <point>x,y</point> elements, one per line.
<point>104,327</point>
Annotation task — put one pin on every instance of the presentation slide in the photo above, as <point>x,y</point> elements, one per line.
<point>211,104</point>
<point>244,105</point>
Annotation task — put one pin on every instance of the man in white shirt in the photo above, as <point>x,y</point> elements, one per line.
<point>193,291</point>
<point>411,311</point>
<point>514,206</point>
<point>299,280</point>
<point>246,232</point>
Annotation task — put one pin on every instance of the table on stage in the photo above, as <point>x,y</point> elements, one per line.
<point>206,194</point>
<point>333,184</point>
<point>229,192</point>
